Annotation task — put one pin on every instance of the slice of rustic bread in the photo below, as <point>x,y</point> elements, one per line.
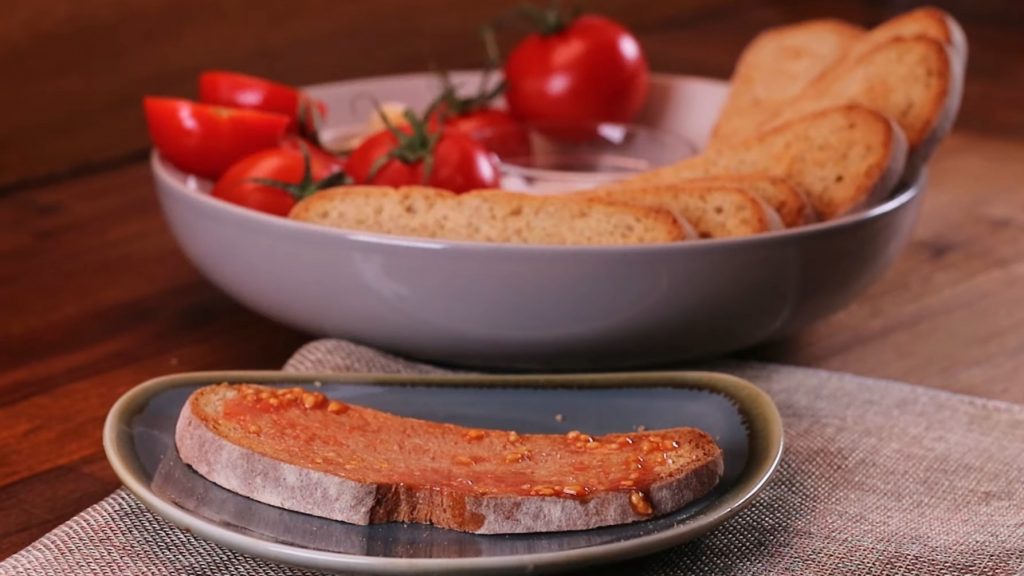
<point>775,66</point>
<point>914,81</point>
<point>714,210</point>
<point>299,450</point>
<point>840,158</point>
<point>496,216</point>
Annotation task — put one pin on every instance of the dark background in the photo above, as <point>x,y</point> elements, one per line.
<point>74,71</point>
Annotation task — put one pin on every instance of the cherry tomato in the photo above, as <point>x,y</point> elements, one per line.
<point>206,140</point>
<point>285,166</point>
<point>318,154</point>
<point>459,162</point>
<point>580,73</point>
<point>496,129</point>
<point>245,91</point>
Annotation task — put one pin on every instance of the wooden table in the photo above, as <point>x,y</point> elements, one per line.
<point>95,297</point>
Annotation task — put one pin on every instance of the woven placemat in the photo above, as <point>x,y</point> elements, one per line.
<point>878,477</point>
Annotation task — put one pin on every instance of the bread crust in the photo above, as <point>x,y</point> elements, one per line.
<point>944,117</point>
<point>278,483</point>
<point>890,172</point>
<point>265,479</point>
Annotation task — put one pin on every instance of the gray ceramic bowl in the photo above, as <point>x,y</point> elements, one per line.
<point>527,307</point>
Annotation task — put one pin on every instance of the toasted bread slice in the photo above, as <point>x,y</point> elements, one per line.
<point>914,81</point>
<point>840,158</point>
<point>792,206</point>
<point>786,200</point>
<point>775,66</point>
<point>714,210</point>
<point>926,22</point>
<point>301,451</point>
<point>482,195</point>
<point>870,71</point>
<point>504,217</point>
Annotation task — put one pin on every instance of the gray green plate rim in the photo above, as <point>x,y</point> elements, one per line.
<point>764,426</point>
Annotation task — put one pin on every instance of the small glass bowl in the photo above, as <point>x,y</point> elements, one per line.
<point>609,152</point>
<point>562,159</point>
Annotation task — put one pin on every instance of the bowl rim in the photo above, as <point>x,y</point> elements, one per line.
<point>175,181</point>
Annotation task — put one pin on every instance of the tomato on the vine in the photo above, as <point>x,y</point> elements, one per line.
<point>273,180</point>
<point>495,129</point>
<point>576,73</point>
<point>206,140</point>
<point>477,117</point>
<point>246,91</point>
<point>319,156</point>
<point>416,154</point>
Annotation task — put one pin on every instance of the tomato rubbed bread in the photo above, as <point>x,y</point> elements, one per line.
<point>302,451</point>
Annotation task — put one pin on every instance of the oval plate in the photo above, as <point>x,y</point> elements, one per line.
<point>139,440</point>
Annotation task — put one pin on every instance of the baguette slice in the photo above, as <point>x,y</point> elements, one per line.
<point>926,22</point>
<point>787,98</point>
<point>715,211</point>
<point>914,81</point>
<point>300,451</point>
<point>775,66</point>
<point>783,198</point>
<point>841,159</point>
<point>493,217</point>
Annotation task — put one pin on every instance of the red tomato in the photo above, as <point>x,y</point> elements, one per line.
<point>245,91</point>
<point>496,129</point>
<point>459,162</point>
<point>283,165</point>
<point>591,70</point>
<point>318,154</point>
<point>205,140</point>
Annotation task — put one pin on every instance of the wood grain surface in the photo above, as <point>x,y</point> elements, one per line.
<point>95,297</point>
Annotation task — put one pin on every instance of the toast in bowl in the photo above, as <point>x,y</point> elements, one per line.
<point>299,450</point>
<point>784,199</point>
<point>841,159</point>
<point>914,81</point>
<point>775,66</point>
<point>910,68</point>
<point>488,216</point>
<point>714,210</point>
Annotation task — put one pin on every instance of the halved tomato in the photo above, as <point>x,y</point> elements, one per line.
<point>245,91</point>
<point>205,140</point>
